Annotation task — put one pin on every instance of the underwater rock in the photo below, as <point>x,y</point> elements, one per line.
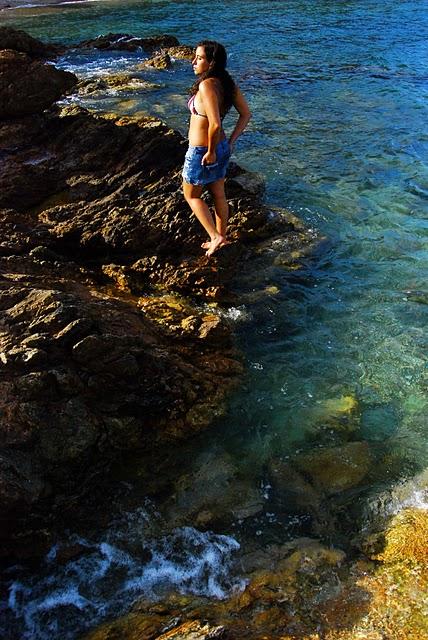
<point>296,494</point>
<point>336,469</point>
<point>28,86</point>
<point>117,81</point>
<point>379,422</point>
<point>212,491</point>
<point>338,413</point>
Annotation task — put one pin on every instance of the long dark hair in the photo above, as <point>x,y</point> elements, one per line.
<point>217,58</point>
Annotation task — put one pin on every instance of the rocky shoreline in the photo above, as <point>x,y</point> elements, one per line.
<point>114,346</point>
<point>100,352</point>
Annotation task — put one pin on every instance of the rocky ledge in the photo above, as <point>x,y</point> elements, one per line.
<point>110,338</point>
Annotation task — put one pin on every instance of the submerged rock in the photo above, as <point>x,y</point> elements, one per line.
<point>337,469</point>
<point>213,491</point>
<point>117,82</point>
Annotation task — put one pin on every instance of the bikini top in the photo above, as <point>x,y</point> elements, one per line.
<point>192,108</point>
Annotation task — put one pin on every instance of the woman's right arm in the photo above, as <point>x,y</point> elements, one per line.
<point>242,108</point>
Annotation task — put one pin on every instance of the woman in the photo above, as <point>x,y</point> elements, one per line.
<point>212,95</point>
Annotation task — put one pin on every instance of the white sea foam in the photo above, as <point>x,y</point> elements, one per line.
<point>64,600</point>
<point>235,314</point>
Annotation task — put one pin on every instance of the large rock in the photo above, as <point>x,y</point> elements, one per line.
<point>28,86</point>
<point>336,469</point>
<point>21,41</point>
<point>84,376</point>
<point>213,491</point>
<point>127,42</point>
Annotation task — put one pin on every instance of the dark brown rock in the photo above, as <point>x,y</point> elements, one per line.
<point>21,41</point>
<point>28,86</point>
<point>127,42</point>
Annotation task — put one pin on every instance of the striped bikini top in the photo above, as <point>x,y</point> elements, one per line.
<point>192,108</point>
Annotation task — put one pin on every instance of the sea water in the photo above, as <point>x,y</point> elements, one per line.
<point>338,92</point>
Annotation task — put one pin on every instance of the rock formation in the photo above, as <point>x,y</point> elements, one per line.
<point>29,86</point>
<point>98,355</point>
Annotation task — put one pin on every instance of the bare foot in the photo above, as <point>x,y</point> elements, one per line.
<point>215,244</point>
<point>206,245</point>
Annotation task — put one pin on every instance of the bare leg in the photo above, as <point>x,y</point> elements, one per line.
<point>221,205</point>
<point>192,194</point>
<point>221,208</point>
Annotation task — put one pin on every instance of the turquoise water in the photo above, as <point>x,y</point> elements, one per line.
<point>340,133</point>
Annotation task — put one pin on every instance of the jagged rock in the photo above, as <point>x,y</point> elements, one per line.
<point>127,42</point>
<point>90,204</point>
<point>84,374</point>
<point>194,630</point>
<point>28,86</point>
<point>21,41</point>
<point>160,61</point>
<point>181,52</point>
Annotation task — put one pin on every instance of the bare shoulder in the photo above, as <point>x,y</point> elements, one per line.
<point>209,85</point>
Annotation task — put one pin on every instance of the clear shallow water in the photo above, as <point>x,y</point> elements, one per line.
<point>339,94</point>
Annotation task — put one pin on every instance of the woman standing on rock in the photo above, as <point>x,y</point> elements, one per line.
<point>207,158</point>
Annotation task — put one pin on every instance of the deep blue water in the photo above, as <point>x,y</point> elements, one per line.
<point>339,93</point>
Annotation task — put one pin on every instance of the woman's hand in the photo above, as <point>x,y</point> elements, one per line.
<point>209,158</point>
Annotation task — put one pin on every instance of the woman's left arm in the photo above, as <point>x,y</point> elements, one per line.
<point>209,95</point>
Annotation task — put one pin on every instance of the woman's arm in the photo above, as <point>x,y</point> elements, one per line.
<point>209,95</point>
<point>242,108</point>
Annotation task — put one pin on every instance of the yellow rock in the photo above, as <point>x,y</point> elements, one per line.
<point>337,406</point>
<point>272,289</point>
<point>337,413</point>
<point>407,538</point>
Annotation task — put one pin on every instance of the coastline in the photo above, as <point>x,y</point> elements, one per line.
<point>35,4</point>
<point>290,563</point>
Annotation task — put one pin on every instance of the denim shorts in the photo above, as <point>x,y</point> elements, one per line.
<point>196,173</point>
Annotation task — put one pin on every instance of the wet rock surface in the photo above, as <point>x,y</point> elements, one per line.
<point>302,589</point>
<point>127,42</point>
<point>100,353</point>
